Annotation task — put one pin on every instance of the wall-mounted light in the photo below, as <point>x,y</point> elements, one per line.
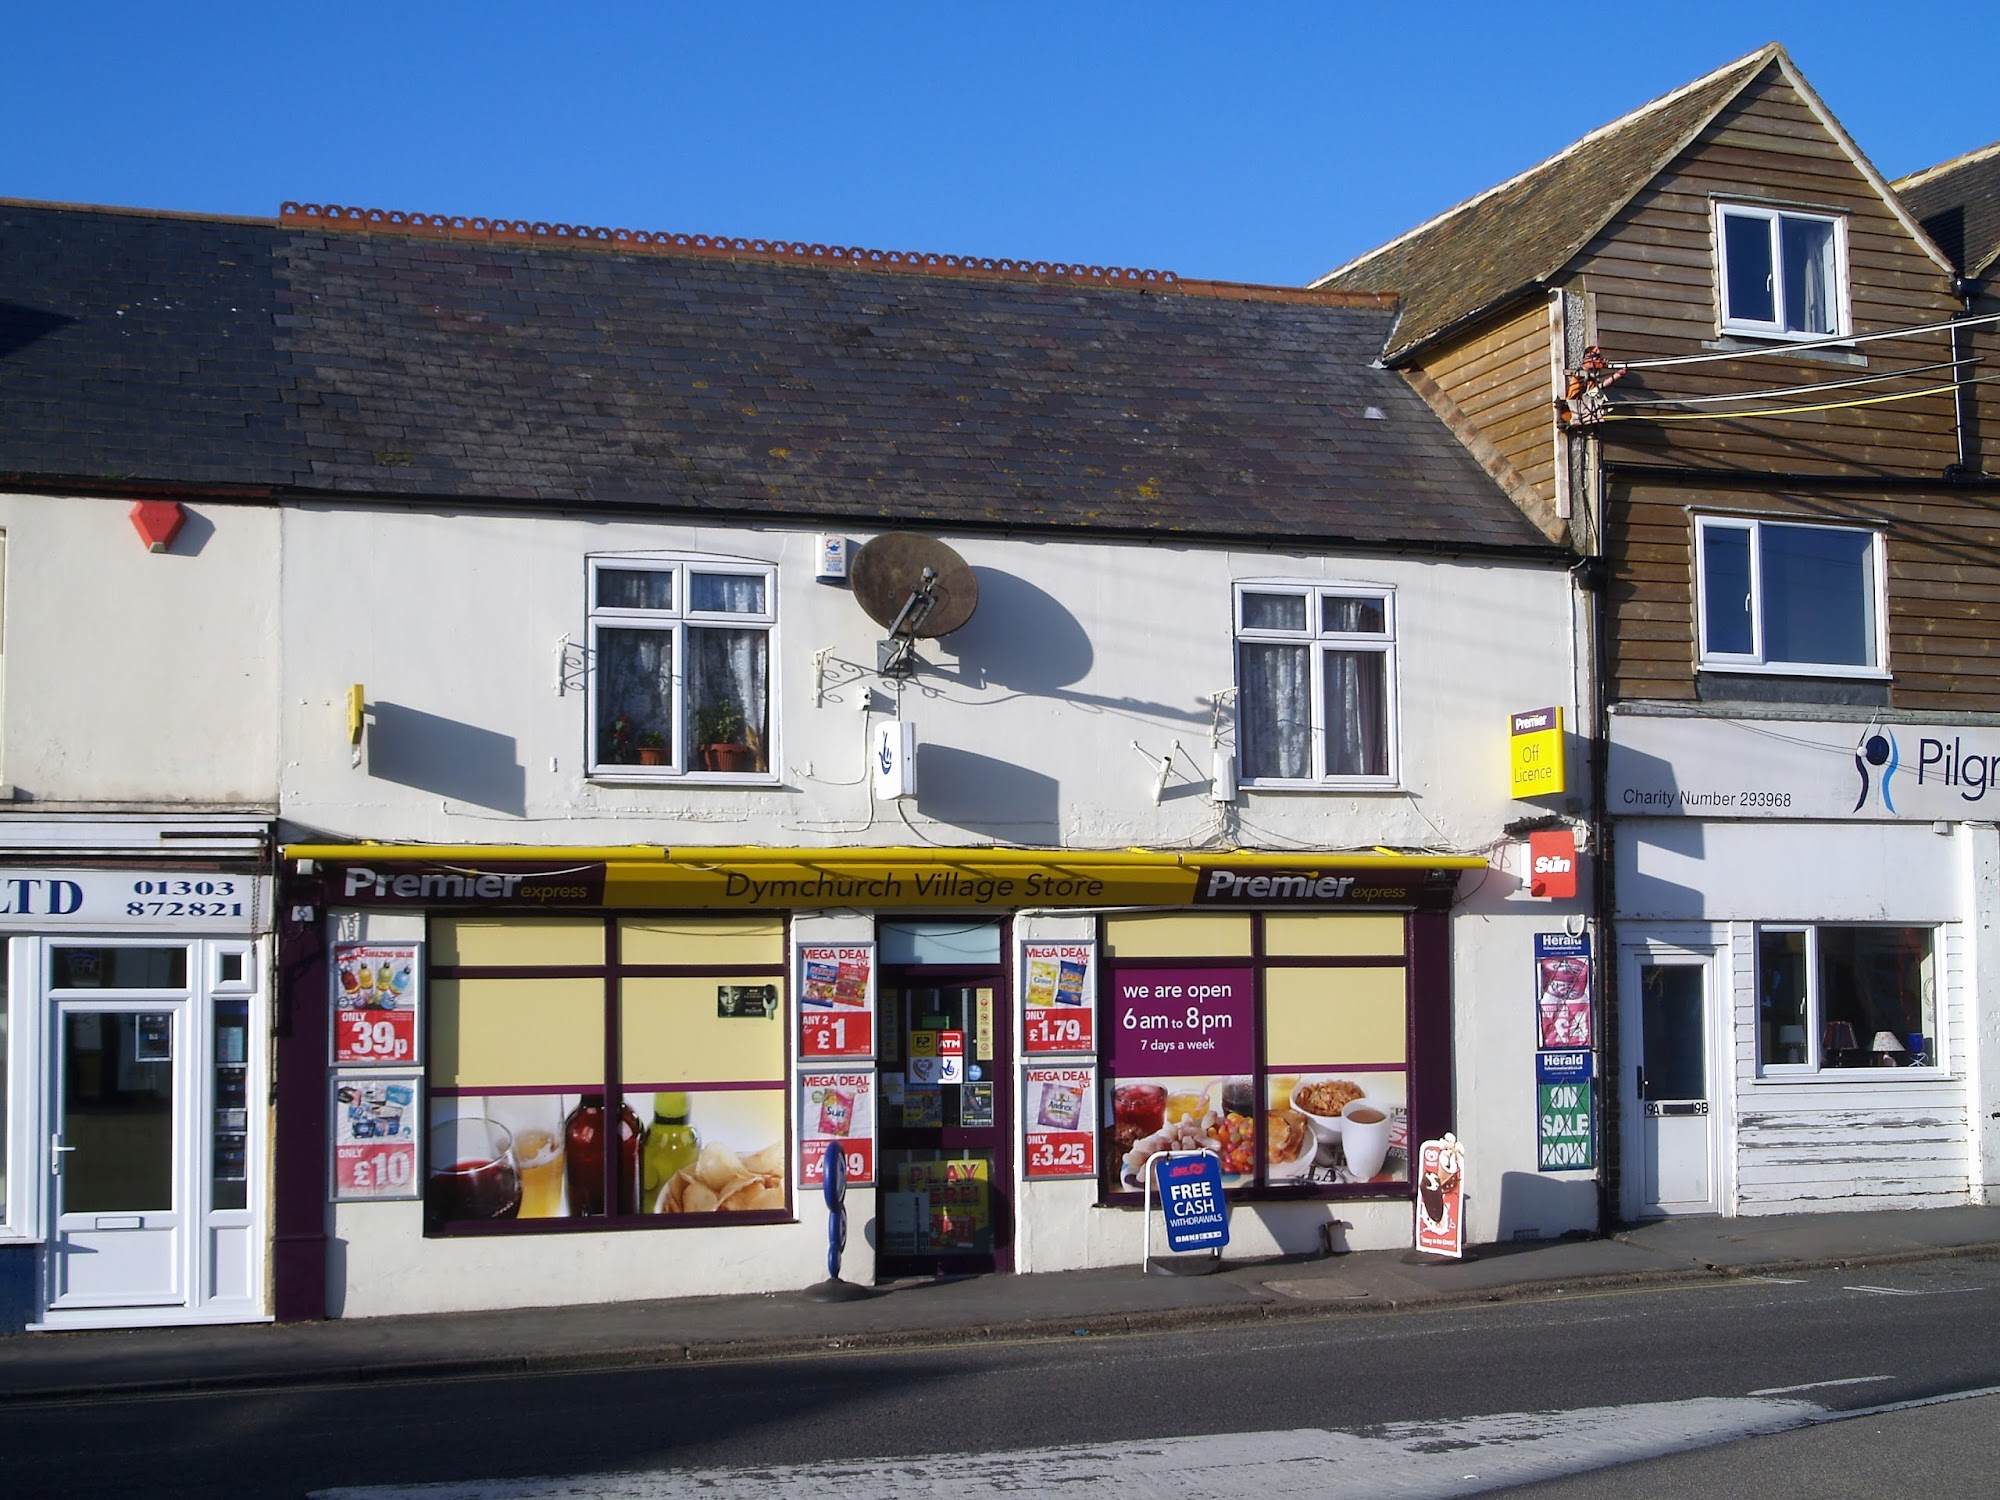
<point>158,522</point>
<point>357,721</point>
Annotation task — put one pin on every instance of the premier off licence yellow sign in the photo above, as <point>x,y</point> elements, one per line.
<point>1536,757</point>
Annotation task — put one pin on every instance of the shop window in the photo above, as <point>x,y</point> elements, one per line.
<point>1315,684</point>
<point>1836,999</point>
<point>1780,597</point>
<point>680,666</point>
<point>1280,1042</point>
<point>601,1071</point>
<point>1783,275</point>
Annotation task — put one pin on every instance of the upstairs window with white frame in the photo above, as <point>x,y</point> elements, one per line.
<point>1316,684</point>
<point>1782,274</point>
<point>1776,596</point>
<point>681,666</point>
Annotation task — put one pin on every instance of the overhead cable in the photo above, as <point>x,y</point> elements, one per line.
<point>1798,390</point>
<point>1793,411</point>
<point>1790,348</point>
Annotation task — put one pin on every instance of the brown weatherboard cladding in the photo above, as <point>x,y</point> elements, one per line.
<point>262,359</point>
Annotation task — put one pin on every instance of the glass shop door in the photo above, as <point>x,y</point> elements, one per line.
<point>946,1110</point>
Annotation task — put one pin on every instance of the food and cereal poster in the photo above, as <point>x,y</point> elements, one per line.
<point>837,1109</point>
<point>1182,1048</point>
<point>377,1017</point>
<point>1562,990</point>
<point>1062,1135</point>
<point>836,1001</point>
<point>375,1136</point>
<point>1058,997</point>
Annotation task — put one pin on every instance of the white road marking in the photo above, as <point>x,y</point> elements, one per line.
<point>1396,1461</point>
<point>1899,1291</point>
<point>1820,1385</point>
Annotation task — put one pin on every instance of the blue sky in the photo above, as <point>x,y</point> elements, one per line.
<point>1246,143</point>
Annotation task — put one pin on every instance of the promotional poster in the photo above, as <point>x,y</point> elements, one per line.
<point>1058,995</point>
<point>837,1109</point>
<point>836,1001</point>
<point>1562,991</point>
<point>375,1136</point>
<point>377,1004</point>
<point>1441,1197</point>
<point>1058,1107</point>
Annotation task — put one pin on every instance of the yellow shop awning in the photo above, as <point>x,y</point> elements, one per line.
<point>916,879</point>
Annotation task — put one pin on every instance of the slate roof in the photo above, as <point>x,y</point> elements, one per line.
<point>1958,202</point>
<point>306,361</point>
<point>1483,252</point>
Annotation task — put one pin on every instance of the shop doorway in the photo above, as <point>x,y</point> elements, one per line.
<point>946,1061</point>
<point>1668,1082</point>
<point>148,1196</point>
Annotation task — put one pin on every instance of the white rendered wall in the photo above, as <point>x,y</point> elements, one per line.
<point>136,678</point>
<point>1026,718</point>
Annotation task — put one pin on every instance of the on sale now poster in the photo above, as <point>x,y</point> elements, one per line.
<point>377,1004</point>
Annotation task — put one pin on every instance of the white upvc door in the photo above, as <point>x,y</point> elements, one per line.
<point>1667,1092</point>
<point>118,1148</point>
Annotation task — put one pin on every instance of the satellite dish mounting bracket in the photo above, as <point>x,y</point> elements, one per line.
<point>897,656</point>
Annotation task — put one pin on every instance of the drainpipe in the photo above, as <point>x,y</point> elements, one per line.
<point>1961,393</point>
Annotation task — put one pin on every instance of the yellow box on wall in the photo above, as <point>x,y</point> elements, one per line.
<point>1536,752</point>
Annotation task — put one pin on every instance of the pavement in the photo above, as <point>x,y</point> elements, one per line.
<point>1191,1292</point>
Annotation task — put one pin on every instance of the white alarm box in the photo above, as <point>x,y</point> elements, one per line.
<point>892,755</point>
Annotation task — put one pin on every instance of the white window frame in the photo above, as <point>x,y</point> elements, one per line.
<point>1756,660</point>
<point>675,621</point>
<point>1814,1067</point>
<point>1774,327</point>
<point>26,1139</point>
<point>1319,644</point>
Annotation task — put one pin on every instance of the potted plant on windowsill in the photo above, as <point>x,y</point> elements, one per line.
<point>722,739</point>
<point>652,749</point>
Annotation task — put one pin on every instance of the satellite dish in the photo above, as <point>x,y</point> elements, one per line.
<point>917,587</point>
<point>887,570</point>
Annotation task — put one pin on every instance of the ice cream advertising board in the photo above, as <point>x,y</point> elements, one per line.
<point>377,1004</point>
<point>836,1001</point>
<point>1058,997</point>
<point>837,1109</point>
<point>1059,1104</point>
<point>1441,1197</point>
<point>375,1136</point>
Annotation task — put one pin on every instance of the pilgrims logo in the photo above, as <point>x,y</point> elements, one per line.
<point>1876,758</point>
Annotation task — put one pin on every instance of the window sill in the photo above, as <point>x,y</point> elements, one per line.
<point>643,776</point>
<point>1748,341</point>
<point>1778,1074</point>
<point>1787,669</point>
<point>1335,787</point>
